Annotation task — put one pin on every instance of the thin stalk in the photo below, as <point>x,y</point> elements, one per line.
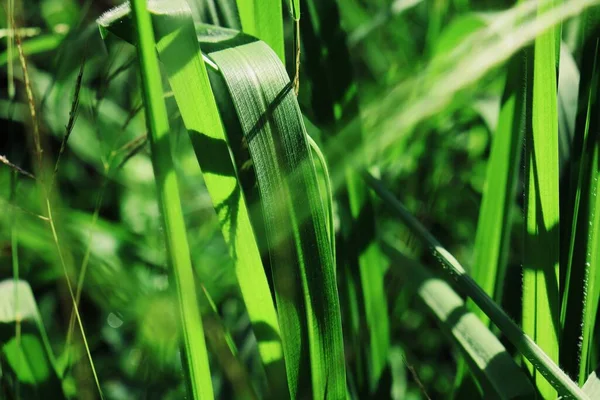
<point>45,186</point>
<point>295,8</point>
<point>10,16</point>
<point>315,147</point>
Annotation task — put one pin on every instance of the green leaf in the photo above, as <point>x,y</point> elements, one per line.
<point>294,215</point>
<point>264,19</point>
<point>590,221</point>
<point>582,286</point>
<point>24,346</point>
<point>196,357</point>
<point>542,237</point>
<point>189,81</point>
<point>34,46</point>
<point>495,215</point>
<point>334,98</point>
<point>223,347</point>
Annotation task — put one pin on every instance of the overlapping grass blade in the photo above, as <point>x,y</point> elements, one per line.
<point>223,347</point>
<point>495,215</point>
<point>264,19</point>
<point>486,356</point>
<point>468,287</point>
<point>580,300</point>
<point>492,239</point>
<point>295,224</point>
<point>590,222</point>
<point>542,238</point>
<point>196,356</point>
<point>180,55</point>
<point>592,278</point>
<point>334,100</point>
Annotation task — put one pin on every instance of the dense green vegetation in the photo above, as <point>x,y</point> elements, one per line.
<point>391,199</point>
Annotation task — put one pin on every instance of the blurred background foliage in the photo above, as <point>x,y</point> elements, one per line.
<point>109,218</point>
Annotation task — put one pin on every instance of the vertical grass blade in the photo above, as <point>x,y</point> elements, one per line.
<point>168,197</point>
<point>188,78</point>
<point>10,23</point>
<point>494,225</point>
<point>592,267</point>
<point>589,221</point>
<point>264,20</point>
<point>580,299</point>
<point>542,237</point>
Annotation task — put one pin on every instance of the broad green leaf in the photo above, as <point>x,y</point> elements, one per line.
<point>295,223</point>
<point>196,357</point>
<point>542,237</point>
<point>468,287</point>
<point>24,346</point>
<point>488,359</point>
<point>264,19</point>
<point>334,99</point>
<point>188,79</point>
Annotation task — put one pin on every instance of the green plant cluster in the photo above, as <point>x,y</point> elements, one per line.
<point>304,199</point>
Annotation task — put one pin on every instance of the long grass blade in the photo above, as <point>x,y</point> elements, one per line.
<point>168,195</point>
<point>590,222</point>
<point>495,215</point>
<point>486,356</point>
<point>264,19</point>
<point>542,237</point>
<point>523,343</point>
<point>580,299</point>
